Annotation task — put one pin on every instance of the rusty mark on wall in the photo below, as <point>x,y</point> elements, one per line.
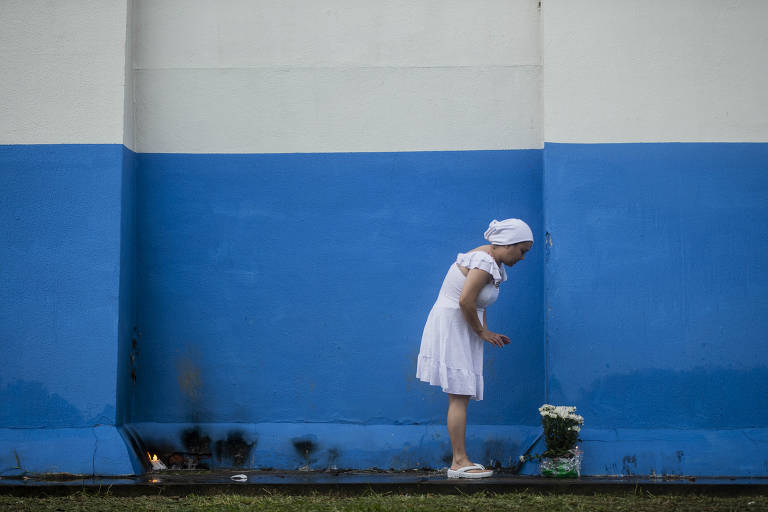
<point>189,375</point>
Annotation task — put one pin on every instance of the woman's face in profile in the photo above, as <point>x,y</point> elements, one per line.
<point>511,254</point>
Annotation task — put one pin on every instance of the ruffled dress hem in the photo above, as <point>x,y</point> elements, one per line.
<point>456,381</point>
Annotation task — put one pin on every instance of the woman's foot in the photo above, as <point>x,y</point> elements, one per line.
<point>464,463</point>
<point>468,470</point>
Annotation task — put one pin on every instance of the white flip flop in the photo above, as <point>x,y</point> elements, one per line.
<point>465,472</point>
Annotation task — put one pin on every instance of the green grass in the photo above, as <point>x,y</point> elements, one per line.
<point>523,501</point>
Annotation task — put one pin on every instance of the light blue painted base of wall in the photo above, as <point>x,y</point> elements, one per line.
<point>98,450</point>
<point>647,452</point>
<point>607,452</point>
<point>319,446</point>
<point>742,452</point>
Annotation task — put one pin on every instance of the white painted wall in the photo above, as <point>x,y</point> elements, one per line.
<point>354,75</point>
<point>62,71</point>
<point>129,110</point>
<point>272,76</point>
<point>655,70</point>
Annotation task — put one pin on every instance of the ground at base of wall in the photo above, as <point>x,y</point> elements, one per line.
<point>356,482</point>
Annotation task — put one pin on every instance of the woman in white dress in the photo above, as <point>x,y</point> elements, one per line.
<point>451,354</point>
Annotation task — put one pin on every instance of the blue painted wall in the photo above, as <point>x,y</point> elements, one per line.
<point>294,288</point>
<point>277,301</point>
<point>657,312</point>
<point>59,267</point>
<point>656,281</point>
<point>59,290</point>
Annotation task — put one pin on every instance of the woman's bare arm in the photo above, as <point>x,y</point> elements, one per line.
<point>474,282</point>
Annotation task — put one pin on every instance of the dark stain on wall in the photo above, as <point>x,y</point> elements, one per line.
<point>626,462</point>
<point>679,454</point>
<point>235,448</point>
<point>134,352</point>
<point>495,452</point>
<point>305,447</point>
<point>333,457</point>
<point>195,442</point>
<point>411,457</point>
<point>197,448</point>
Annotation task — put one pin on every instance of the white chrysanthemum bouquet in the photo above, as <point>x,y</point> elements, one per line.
<point>562,457</point>
<point>561,429</point>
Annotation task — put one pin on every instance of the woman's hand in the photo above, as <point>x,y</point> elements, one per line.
<point>494,338</point>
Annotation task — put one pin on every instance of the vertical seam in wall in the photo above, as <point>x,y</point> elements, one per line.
<point>545,295</point>
<point>135,273</point>
<point>129,406</point>
<point>544,270</point>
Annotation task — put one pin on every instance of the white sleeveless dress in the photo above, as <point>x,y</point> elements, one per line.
<point>451,354</point>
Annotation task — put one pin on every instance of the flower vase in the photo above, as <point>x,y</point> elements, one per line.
<point>562,467</point>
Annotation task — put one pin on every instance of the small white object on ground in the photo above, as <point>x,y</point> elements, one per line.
<point>239,478</point>
<point>158,464</point>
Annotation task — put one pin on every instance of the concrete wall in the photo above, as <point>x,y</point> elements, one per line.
<point>61,176</point>
<point>226,222</point>
<point>655,275</point>
<point>291,241</point>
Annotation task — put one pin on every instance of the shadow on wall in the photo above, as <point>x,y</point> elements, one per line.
<point>23,400</point>
<point>703,398</point>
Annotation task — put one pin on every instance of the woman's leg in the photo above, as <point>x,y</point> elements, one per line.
<point>457,429</point>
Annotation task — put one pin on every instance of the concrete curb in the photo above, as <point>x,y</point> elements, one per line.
<point>360,482</point>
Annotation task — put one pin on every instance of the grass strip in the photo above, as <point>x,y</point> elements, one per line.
<point>373,502</point>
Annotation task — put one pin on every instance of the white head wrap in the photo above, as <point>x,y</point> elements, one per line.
<point>507,232</point>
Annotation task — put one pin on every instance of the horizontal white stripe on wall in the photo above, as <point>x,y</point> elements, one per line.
<point>258,33</point>
<point>655,71</point>
<point>276,76</point>
<point>299,110</point>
